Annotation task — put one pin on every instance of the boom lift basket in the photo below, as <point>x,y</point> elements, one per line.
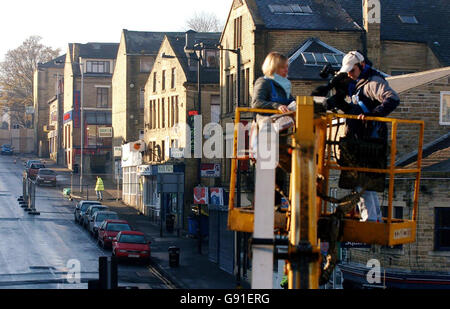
<point>390,232</point>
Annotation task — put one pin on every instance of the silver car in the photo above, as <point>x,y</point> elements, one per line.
<point>98,219</point>
<point>80,209</point>
<point>90,212</point>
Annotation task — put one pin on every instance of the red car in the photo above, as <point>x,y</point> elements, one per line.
<point>109,229</point>
<point>131,245</point>
<point>34,169</point>
<point>46,176</point>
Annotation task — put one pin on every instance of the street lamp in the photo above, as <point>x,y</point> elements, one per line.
<point>238,174</point>
<point>82,124</point>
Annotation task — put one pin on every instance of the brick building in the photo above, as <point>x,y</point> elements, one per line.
<point>44,88</point>
<point>425,263</point>
<point>92,63</point>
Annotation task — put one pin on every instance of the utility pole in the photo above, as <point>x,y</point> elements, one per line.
<point>199,160</point>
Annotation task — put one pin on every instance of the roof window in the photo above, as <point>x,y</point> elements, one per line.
<point>408,19</point>
<point>320,59</point>
<point>290,9</point>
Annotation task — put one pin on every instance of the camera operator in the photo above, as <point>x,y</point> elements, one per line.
<point>371,96</point>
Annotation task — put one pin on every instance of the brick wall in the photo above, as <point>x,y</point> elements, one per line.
<point>419,256</point>
<point>406,56</point>
<point>421,103</point>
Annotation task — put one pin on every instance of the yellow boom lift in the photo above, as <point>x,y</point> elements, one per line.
<point>312,160</point>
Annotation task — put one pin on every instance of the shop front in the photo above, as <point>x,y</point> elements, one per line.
<point>163,195</point>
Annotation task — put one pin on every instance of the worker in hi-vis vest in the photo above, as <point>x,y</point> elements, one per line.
<point>99,188</point>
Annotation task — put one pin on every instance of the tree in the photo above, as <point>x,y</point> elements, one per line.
<point>204,22</point>
<point>16,76</point>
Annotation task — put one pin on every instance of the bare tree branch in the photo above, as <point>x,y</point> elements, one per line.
<point>204,22</point>
<point>16,76</point>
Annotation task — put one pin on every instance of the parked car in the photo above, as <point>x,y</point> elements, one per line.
<point>46,176</point>
<point>29,162</point>
<point>109,229</point>
<point>131,245</point>
<point>34,169</point>
<point>7,150</point>
<point>98,219</point>
<point>90,212</point>
<point>80,209</point>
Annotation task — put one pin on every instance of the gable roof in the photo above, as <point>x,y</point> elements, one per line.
<point>145,43</point>
<point>299,70</point>
<point>406,82</point>
<point>209,75</point>
<point>436,156</point>
<point>326,15</point>
<point>432,15</point>
<point>54,63</point>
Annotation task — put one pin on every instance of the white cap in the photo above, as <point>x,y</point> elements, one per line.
<point>350,60</point>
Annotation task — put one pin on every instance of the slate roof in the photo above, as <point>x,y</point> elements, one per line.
<point>146,43</point>
<point>209,75</point>
<point>436,156</point>
<point>326,15</point>
<point>298,70</point>
<point>54,63</point>
<point>93,51</point>
<point>99,50</point>
<point>433,17</point>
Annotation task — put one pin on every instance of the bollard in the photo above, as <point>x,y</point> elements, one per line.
<point>174,256</point>
<point>108,273</point>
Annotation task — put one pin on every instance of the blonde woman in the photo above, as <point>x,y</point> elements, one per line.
<point>273,90</point>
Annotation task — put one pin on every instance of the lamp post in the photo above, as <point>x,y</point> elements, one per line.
<point>82,126</point>
<point>238,174</point>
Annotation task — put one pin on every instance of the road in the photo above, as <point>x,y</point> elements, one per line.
<point>35,251</point>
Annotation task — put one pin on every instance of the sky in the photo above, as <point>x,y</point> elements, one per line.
<point>82,21</point>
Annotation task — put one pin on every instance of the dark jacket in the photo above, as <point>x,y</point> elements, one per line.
<point>377,99</point>
<point>263,94</point>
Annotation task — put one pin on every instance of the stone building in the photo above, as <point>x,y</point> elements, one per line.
<point>135,59</point>
<point>425,263</point>
<point>171,99</point>
<point>44,88</point>
<point>88,69</point>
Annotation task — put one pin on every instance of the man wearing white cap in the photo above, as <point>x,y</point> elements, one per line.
<point>371,96</point>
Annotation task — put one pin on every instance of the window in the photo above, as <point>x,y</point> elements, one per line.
<point>177,111</point>
<point>290,9</point>
<point>163,113</point>
<point>163,86</point>
<point>154,81</point>
<point>408,19</point>
<point>238,32</point>
<point>146,65</point>
<point>92,135</point>
<point>102,97</point>
<point>163,150</point>
<point>445,108</point>
<point>230,88</point>
<point>321,59</point>
<point>97,67</point>
<point>215,108</point>
<point>172,111</point>
<point>172,85</point>
<point>247,97</point>
<point>212,58</point>
<point>142,98</point>
<point>442,229</point>
<point>154,115</point>
<point>159,113</point>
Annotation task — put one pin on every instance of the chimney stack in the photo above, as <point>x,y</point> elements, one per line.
<point>372,25</point>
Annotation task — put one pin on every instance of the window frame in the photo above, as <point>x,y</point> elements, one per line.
<point>102,92</point>
<point>441,114</point>
<point>438,228</point>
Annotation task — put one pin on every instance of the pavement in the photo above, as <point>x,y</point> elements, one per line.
<point>195,270</point>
